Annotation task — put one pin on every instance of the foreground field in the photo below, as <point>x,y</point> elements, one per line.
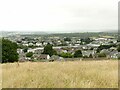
<point>76,74</point>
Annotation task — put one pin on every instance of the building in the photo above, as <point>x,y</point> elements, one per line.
<point>41,56</point>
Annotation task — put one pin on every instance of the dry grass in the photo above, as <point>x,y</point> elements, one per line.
<point>76,74</point>
<point>0,76</point>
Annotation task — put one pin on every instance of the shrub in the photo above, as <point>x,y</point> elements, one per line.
<point>101,55</point>
<point>66,55</point>
<point>78,53</point>
<point>85,56</point>
<point>29,54</point>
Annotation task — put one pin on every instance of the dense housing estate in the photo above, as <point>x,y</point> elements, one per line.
<point>89,46</point>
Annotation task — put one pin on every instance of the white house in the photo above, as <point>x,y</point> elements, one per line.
<point>41,56</point>
<point>38,44</point>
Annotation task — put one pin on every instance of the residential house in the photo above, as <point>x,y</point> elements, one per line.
<point>88,52</point>
<point>55,57</point>
<point>106,51</point>
<point>31,50</point>
<point>113,48</point>
<point>19,51</point>
<point>25,44</point>
<point>113,54</point>
<point>22,57</point>
<point>30,44</point>
<point>36,50</point>
<point>41,56</point>
<point>38,44</point>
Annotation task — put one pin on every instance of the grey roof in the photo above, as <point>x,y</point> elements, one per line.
<point>87,52</point>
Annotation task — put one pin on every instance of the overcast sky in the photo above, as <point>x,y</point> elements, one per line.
<point>58,15</point>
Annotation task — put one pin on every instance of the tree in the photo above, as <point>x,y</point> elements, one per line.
<point>101,55</point>
<point>86,40</point>
<point>9,51</point>
<point>48,49</point>
<point>67,39</point>
<point>118,57</point>
<point>29,54</point>
<point>105,47</point>
<point>54,52</point>
<point>25,50</point>
<point>78,53</point>
<point>90,56</point>
<point>111,42</point>
<point>118,48</point>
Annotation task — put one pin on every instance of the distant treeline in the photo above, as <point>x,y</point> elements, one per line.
<point>81,35</point>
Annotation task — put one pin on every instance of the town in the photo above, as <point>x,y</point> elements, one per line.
<point>92,45</point>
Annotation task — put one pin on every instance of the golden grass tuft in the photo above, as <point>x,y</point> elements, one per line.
<point>70,74</point>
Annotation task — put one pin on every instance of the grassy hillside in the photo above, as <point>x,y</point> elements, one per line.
<point>76,74</point>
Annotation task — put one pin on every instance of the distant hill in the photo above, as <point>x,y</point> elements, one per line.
<point>111,31</point>
<point>39,33</point>
<point>11,33</point>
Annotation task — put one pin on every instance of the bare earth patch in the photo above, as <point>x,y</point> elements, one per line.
<point>70,74</point>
